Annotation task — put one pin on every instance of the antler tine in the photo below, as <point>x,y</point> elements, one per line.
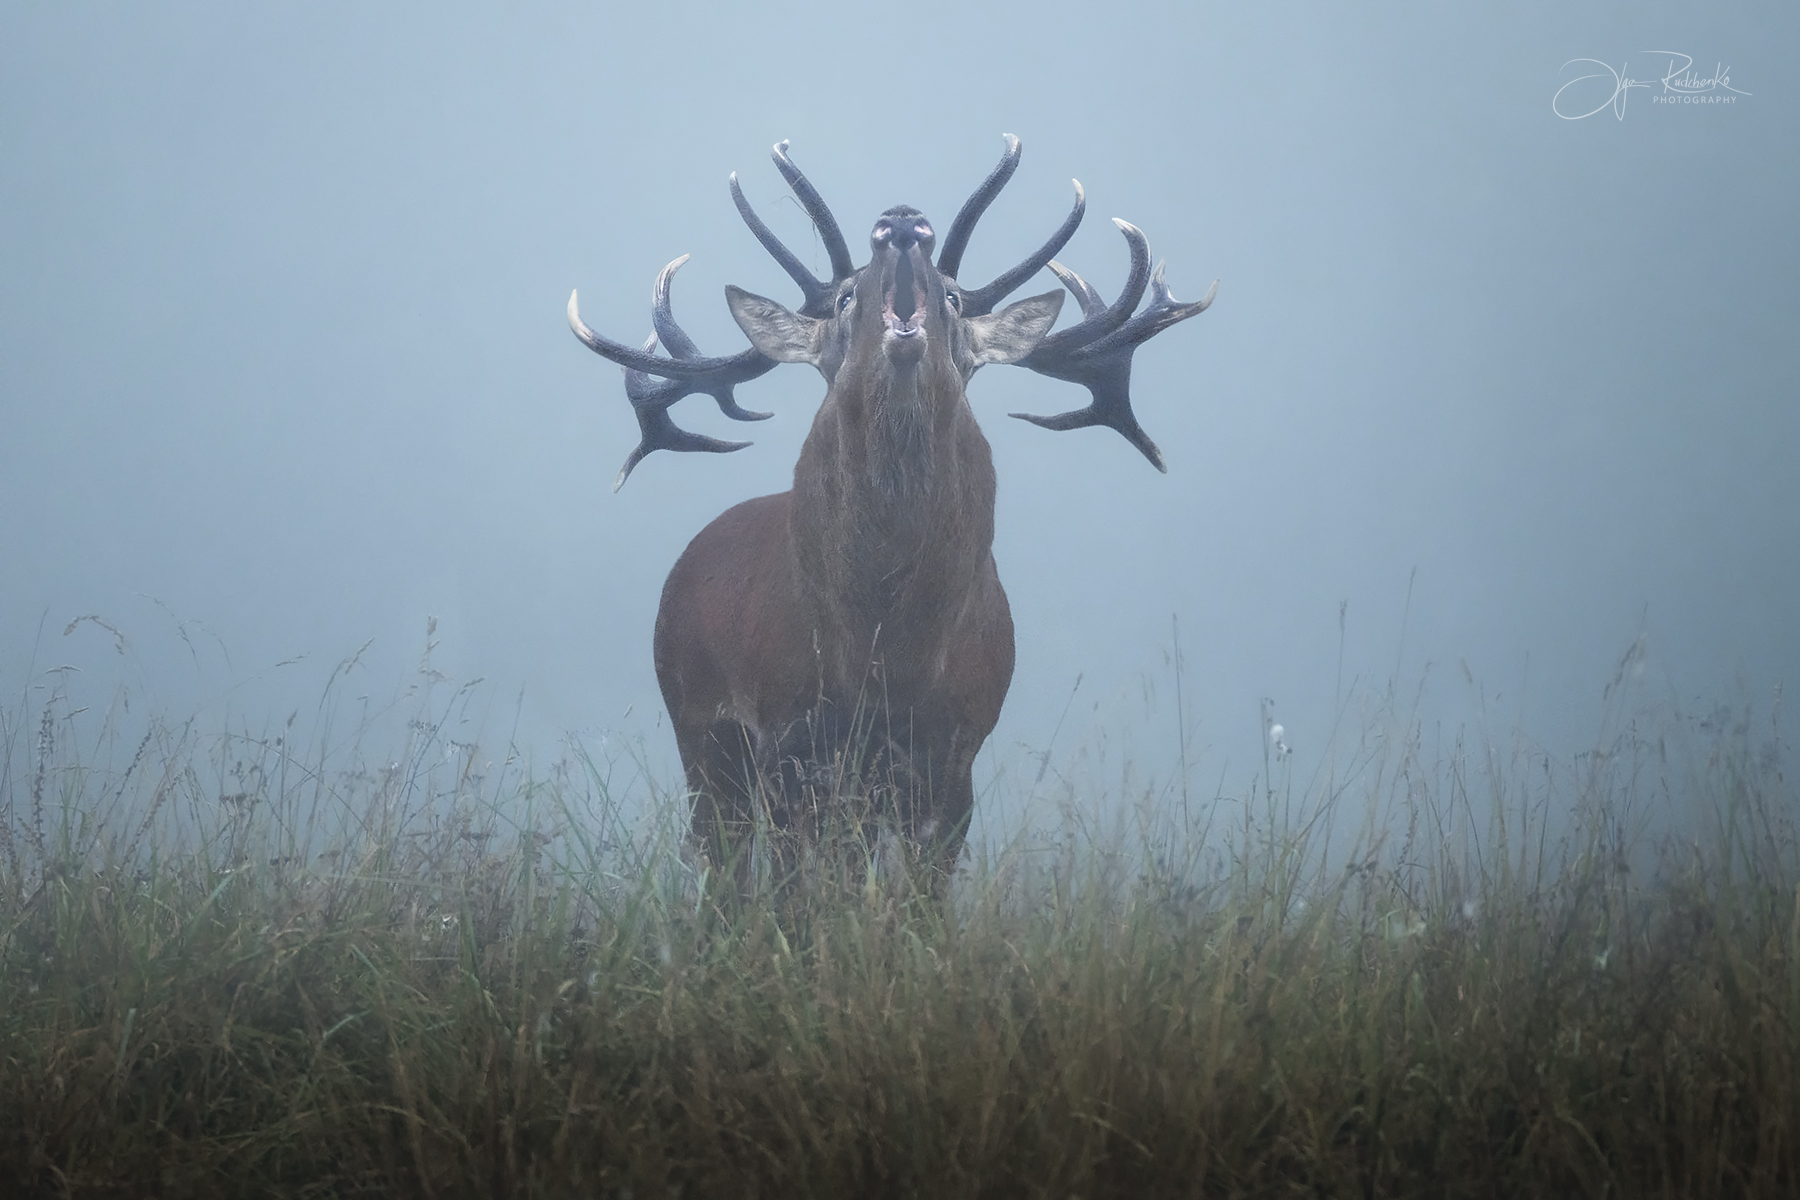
<point>662,316</point>
<point>1100,318</point>
<point>680,345</point>
<point>814,204</point>
<point>1111,407</point>
<point>982,300</point>
<point>1097,353</point>
<point>1091,303</point>
<point>650,400</point>
<point>817,292</point>
<point>1163,311</point>
<point>632,358</point>
<point>950,257</point>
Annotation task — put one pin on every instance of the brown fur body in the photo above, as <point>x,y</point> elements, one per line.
<point>849,638</point>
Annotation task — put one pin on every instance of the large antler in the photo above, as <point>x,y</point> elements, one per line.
<point>684,374</point>
<point>654,383</point>
<point>982,300</point>
<point>818,292</point>
<point>1097,353</point>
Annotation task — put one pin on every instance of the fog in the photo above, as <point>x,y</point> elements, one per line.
<point>1491,400</point>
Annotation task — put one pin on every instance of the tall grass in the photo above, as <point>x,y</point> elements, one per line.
<point>236,967</point>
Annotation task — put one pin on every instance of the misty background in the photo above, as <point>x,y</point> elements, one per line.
<point>284,368</point>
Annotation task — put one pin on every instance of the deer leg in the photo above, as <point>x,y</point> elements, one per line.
<point>935,811</point>
<point>958,805</point>
<point>786,786</point>
<point>724,779</point>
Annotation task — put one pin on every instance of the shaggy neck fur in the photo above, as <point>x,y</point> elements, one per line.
<point>893,516</point>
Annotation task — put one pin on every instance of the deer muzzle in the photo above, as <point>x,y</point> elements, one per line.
<point>904,299</point>
<point>902,242</point>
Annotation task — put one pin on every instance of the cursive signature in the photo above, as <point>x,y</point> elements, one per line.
<point>1681,78</point>
<point>1680,85</point>
<point>1621,89</point>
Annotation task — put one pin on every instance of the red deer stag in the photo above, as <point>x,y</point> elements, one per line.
<point>849,640</point>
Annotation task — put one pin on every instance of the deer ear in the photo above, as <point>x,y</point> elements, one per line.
<point>782,335</point>
<point>1009,335</point>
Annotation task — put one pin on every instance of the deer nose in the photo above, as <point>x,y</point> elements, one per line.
<point>903,233</point>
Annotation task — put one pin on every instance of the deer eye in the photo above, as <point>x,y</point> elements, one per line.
<point>953,302</point>
<point>843,304</point>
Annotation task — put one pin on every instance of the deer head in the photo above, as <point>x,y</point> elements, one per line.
<point>914,315</point>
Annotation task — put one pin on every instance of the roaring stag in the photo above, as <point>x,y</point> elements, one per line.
<point>841,650</point>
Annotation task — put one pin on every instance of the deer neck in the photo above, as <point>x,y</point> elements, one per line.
<point>893,520</point>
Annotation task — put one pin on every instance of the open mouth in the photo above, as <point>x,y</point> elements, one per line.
<point>904,302</point>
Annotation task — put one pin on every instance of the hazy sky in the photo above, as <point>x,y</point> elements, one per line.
<point>284,368</point>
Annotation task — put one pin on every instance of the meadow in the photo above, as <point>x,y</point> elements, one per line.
<point>250,963</point>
